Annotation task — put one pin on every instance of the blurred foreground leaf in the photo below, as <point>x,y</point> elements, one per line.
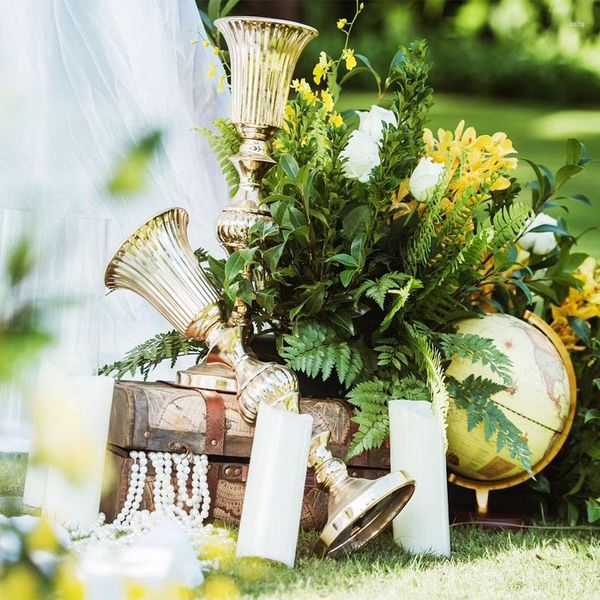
<point>130,175</point>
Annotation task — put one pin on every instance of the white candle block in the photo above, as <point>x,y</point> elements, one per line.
<point>36,478</point>
<point>276,476</point>
<point>74,485</point>
<point>417,446</point>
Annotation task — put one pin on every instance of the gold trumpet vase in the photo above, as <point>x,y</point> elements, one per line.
<point>263,54</point>
<point>157,262</point>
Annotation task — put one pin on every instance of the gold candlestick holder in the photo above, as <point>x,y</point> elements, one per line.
<point>263,54</point>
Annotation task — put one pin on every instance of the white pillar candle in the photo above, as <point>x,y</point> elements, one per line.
<point>35,484</point>
<point>76,449</point>
<point>275,487</point>
<point>417,445</point>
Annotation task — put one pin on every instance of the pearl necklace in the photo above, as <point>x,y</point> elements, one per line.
<point>189,510</point>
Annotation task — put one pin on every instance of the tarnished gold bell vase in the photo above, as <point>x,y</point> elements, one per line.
<point>158,263</point>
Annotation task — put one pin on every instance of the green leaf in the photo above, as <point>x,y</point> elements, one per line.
<point>20,262</point>
<point>543,290</point>
<point>581,328</point>
<point>572,514</point>
<point>354,222</point>
<point>346,276</point>
<point>565,173</point>
<point>213,9</point>
<point>289,165</point>
<point>574,150</point>
<point>592,414</point>
<point>237,262</point>
<point>593,510</point>
<point>345,259</point>
<point>272,256</point>
<point>266,299</point>
<point>369,66</point>
<point>130,175</point>
<point>315,296</point>
<point>549,228</point>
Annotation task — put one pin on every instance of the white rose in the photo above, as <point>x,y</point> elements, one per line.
<point>539,243</point>
<point>425,178</point>
<point>371,122</point>
<point>361,154</point>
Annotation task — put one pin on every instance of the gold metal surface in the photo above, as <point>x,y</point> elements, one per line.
<point>209,376</point>
<point>358,508</point>
<point>263,54</point>
<point>157,263</point>
<point>486,486</point>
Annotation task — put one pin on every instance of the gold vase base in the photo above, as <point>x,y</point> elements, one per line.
<point>361,509</point>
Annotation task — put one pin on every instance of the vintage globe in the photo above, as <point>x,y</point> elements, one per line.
<point>540,401</point>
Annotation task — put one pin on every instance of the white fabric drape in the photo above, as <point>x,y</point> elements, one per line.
<point>80,82</point>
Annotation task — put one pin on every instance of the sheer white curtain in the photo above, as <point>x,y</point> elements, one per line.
<point>80,82</point>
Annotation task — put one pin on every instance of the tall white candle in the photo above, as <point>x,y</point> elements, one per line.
<point>35,484</point>
<point>275,487</point>
<point>74,485</point>
<point>417,445</point>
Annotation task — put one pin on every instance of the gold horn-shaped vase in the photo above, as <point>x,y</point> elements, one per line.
<point>358,508</point>
<point>158,263</point>
<point>263,54</point>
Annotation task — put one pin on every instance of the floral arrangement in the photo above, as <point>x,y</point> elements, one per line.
<point>384,234</point>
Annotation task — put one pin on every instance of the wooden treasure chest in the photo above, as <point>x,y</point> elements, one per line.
<point>163,417</point>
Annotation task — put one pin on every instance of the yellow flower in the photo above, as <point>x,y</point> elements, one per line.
<point>336,119</point>
<point>278,145</point>
<point>216,51</point>
<point>583,304</point>
<point>205,43</point>
<point>212,70</point>
<point>221,84</point>
<point>321,68</point>
<point>328,102</point>
<point>193,42</point>
<point>348,56</point>
<point>301,86</point>
<point>342,23</point>
<point>310,97</point>
<point>289,112</point>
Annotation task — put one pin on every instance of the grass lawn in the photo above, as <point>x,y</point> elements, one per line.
<point>495,565</point>
<point>539,132</point>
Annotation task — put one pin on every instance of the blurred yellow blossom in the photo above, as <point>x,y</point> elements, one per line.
<point>221,84</point>
<point>584,304</point>
<point>348,56</point>
<point>341,23</point>
<point>219,587</point>
<point>321,68</point>
<point>212,70</point>
<point>301,86</point>
<point>216,51</point>
<point>336,119</point>
<point>328,102</point>
<point>193,42</point>
<point>278,145</point>
<point>205,43</point>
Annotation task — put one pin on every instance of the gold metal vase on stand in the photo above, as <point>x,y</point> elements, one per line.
<point>157,262</point>
<point>263,54</point>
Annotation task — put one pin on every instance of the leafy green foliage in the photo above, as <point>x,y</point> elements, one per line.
<point>147,355</point>
<point>475,395</point>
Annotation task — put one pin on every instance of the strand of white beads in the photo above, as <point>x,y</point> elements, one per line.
<point>131,522</point>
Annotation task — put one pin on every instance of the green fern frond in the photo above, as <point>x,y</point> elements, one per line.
<point>476,349</point>
<point>391,353</point>
<point>316,349</point>
<point>225,143</point>
<point>474,395</point>
<point>469,257</point>
<point>508,224</point>
<point>147,355</point>
<point>371,400</point>
<point>430,361</point>
<point>379,289</point>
